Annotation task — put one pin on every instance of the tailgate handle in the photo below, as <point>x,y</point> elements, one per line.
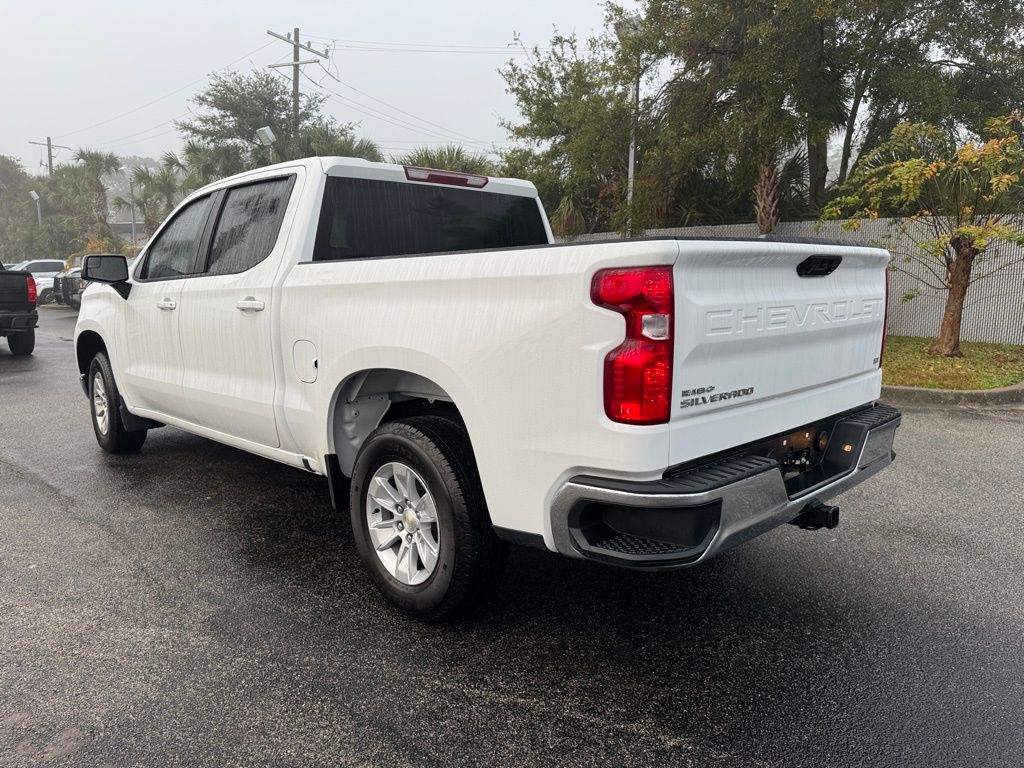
<point>818,266</point>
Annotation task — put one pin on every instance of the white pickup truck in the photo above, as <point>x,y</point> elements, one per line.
<point>417,337</point>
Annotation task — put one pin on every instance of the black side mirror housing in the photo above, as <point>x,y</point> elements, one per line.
<point>109,268</point>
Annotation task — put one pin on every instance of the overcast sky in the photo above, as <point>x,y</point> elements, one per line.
<point>114,75</point>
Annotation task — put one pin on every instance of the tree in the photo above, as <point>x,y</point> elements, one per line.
<point>963,199</point>
<point>156,192</point>
<point>750,82</point>
<point>222,136</point>
<point>449,157</point>
<point>574,131</point>
<point>325,137</point>
<point>96,165</point>
<point>200,163</point>
<point>948,62</point>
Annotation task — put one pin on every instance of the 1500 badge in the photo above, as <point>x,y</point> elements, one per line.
<point>706,395</point>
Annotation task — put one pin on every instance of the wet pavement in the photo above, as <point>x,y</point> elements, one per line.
<point>196,605</point>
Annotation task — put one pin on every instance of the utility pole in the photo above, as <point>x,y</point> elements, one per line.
<point>49,152</point>
<point>131,196</point>
<point>293,38</point>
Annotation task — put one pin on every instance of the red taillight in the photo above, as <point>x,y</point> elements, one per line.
<point>434,176</point>
<point>885,319</point>
<point>32,295</point>
<point>638,373</point>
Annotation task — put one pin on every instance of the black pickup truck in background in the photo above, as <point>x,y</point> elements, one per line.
<point>18,316</point>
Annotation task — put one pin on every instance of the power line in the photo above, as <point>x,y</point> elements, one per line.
<point>420,47</point>
<point>404,112</point>
<point>165,96</point>
<point>396,121</point>
<point>139,133</point>
<point>144,138</point>
<point>369,49</point>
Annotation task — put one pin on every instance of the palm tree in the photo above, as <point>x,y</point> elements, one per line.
<point>156,192</point>
<point>327,139</point>
<point>96,165</point>
<point>448,157</point>
<point>200,164</point>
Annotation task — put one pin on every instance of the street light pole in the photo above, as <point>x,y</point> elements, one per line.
<point>39,208</point>
<point>632,144</point>
<point>627,30</point>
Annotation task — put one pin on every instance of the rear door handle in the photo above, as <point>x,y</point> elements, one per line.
<point>167,304</point>
<point>250,304</point>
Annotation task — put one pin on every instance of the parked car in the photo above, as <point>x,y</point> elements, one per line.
<point>18,316</point>
<point>463,381</point>
<point>68,287</point>
<point>44,271</point>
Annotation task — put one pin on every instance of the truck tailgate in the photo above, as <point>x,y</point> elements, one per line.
<point>14,291</point>
<point>763,347</point>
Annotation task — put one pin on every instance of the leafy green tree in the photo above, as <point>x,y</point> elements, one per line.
<point>952,63</point>
<point>449,157</point>
<point>221,138</point>
<point>952,202</point>
<point>739,92</point>
<point>574,131</point>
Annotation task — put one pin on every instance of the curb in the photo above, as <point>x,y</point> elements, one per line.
<point>1011,395</point>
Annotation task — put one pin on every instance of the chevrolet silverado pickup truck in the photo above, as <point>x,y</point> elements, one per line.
<point>463,381</point>
<point>18,316</point>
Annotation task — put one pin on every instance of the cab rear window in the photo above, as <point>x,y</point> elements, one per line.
<point>369,218</point>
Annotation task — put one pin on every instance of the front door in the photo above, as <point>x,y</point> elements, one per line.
<point>229,379</point>
<point>150,344</point>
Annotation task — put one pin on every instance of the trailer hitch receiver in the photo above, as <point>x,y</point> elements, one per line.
<point>816,515</point>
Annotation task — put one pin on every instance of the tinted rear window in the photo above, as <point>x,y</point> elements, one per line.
<point>363,218</point>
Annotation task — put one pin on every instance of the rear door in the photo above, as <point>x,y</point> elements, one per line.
<point>227,318</point>
<point>149,345</point>
<point>771,336</point>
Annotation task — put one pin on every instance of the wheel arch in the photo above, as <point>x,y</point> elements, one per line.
<point>373,396</point>
<point>87,344</point>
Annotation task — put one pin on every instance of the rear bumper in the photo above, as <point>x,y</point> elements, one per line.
<point>16,322</point>
<point>692,516</point>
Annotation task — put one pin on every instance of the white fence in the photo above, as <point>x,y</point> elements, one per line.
<point>995,306</point>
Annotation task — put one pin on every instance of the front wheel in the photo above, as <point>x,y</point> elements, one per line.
<point>419,518</point>
<point>46,297</point>
<point>22,343</point>
<point>105,402</point>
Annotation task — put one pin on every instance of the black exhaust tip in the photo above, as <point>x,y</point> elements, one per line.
<point>816,515</point>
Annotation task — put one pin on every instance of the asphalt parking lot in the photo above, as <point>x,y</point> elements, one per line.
<point>195,605</point>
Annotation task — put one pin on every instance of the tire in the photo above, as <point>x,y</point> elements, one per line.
<point>22,343</point>
<point>75,302</point>
<point>106,420</point>
<point>46,297</point>
<point>469,556</point>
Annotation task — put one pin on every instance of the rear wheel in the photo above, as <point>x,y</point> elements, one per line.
<point>420,521</point>
<point>46,296</point>
<point>105,405</point>
<point>22,343</point>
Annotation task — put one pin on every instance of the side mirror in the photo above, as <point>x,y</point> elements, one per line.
<point>107,268</point>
